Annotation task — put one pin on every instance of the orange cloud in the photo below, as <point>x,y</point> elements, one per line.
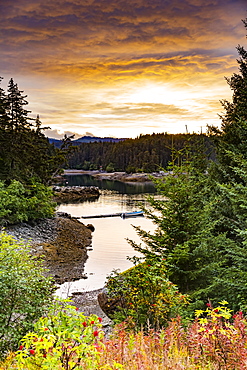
<point>101,49</point>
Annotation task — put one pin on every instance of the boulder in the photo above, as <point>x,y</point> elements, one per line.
<point>109,305</point>
<point>65,194</point>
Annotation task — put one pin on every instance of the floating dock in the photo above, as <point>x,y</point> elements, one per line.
<point>102,216</point>
<point>122,214</point>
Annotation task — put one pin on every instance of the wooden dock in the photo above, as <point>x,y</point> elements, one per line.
<point>102,216</point>
<point>122,214</point>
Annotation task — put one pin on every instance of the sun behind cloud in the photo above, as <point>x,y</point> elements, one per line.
<point>121,68</point>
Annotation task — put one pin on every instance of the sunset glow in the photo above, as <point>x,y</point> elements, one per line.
<point>122,68</point>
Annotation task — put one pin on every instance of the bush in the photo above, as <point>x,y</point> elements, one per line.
<point>22,203</point>
<point>110,167</point>
<point>24,292</point>
<point>65,338</point>
<point>146,298</point>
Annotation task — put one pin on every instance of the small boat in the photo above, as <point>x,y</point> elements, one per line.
<point>132,214</point>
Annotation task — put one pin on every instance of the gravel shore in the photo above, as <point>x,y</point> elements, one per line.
<point>87,302</point>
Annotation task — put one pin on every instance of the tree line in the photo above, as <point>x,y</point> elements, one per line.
<point>146,153</point>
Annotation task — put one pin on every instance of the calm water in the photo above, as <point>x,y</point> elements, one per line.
<point>109,244</point>
<point>120,187</point>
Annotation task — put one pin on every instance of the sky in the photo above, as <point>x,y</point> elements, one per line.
<point>122,68</point>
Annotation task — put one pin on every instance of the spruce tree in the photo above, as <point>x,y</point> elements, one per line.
<point>231,138</point>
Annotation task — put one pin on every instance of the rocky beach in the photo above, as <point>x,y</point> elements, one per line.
<point>63,243</point>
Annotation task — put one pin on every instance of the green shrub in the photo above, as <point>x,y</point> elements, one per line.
<point>22,203</point>
<point>24,291</point>
<point>65,338</point>
<point>146,298</point>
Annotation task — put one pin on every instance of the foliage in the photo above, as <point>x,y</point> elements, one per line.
<point>22,203</point>
<point>214,340</point>
<point>200,235</point>
<point>64,338</point>
<point>181,216</point>
<point>201,220</point>
<point>25,152</point>
<point>146,298</point>
<point>146,153</point>
<point>230,139</point>
<point>110,167</point>
<point>24,291</point>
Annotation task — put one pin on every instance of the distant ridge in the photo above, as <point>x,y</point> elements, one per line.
<point>86,139</point>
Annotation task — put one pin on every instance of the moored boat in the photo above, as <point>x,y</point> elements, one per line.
<point>132,214</point>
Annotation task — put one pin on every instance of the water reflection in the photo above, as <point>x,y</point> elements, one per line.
<point>120,187</point>
<point>110,248</point>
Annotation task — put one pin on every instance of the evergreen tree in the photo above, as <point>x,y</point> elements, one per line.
<point>230,139</point>
<point>201,221</point>
<point>28,162</point>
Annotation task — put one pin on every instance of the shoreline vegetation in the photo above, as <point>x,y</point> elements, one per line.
<point>117,176</point>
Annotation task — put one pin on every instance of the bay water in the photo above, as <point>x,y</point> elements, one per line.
<point>109,245</point>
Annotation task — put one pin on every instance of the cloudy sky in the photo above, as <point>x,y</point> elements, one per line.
<point>122,67</point>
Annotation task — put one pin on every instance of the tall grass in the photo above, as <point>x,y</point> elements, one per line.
<point>215,340</point>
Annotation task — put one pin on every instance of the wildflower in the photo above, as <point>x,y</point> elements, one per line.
<point>45,329</point>
<point>100,319</point>
<point>21,348</point>
<point>32,351</point>
<point>76,308</point>
<point>95,333</point>
<point>92,322</point>
<point>208,304</point>
<point>84,324</point>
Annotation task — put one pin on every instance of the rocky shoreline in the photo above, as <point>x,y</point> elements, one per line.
<point>62,241</point>
<point>119,176</point>
<point>64,194</point>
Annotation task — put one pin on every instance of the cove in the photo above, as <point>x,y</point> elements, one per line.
<point>109,245</point>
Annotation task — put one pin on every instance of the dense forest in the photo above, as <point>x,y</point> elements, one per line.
<point>146,153</point>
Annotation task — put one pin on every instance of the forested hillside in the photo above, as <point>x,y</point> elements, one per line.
<point>146,153</point>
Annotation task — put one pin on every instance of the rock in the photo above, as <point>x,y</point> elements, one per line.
<point>90,227</point>
<point>87,303</point>
<point>75,193</point>
<point>109,305</point>
<point>63,243</point>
